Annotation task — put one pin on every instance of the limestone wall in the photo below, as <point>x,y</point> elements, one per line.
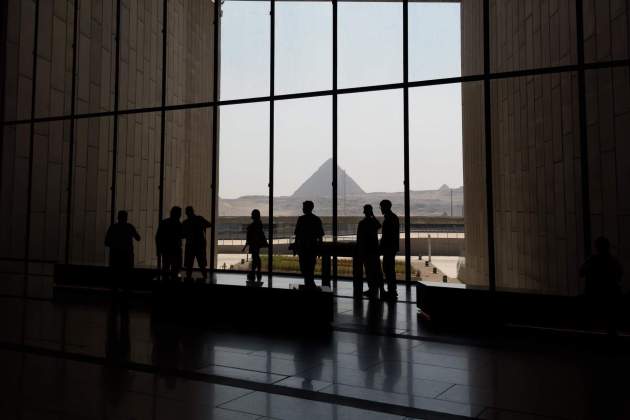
<point>536,149</point>
<point>188,133</point>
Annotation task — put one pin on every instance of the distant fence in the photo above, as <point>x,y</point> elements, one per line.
<point>234,228</point>
<point>446,244</point>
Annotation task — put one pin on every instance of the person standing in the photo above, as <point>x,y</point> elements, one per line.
<point>309,233</point>
<point>119,240</point>
<point>367,250</point>
<point>389,247</point>
<point>168,240</point>
<point>255,241</point>
<point>194,229</point>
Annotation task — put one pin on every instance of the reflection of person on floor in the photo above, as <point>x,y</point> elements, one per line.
<point>168,240</point>
<point>379,354</point>
<point>119,240</point>
<point>603,274</point>
<point>368,345</point>
<point>367,250</point>
<point>391,351</point>
<point>309,232</point>
<point>118,341</point>
<point>194,229</point>
<point>255,241</point>
<point>389,247</point>
<point>310,352</point>
<point>117,349</point>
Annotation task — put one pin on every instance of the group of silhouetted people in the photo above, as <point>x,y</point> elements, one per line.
<point>309,234</point>
<point>369,250</point>
<point>169,238</point>
<point>602,271</point>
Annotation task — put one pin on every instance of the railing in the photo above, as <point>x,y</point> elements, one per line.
<point>350,238</point>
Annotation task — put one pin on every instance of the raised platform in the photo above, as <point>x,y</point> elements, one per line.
<point>202,303</point>
<point>259,307</point>
<point>98,277</point>
<point>459,305</point>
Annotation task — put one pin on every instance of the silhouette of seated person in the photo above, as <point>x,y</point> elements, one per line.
<point>255,240</point>
<point>168,240</point>
<point>390,237</point>
<point>603,274</point>
<point>194,229</point>
<point>309,233</point>
<point>367,250</point>
<point>119,240</point>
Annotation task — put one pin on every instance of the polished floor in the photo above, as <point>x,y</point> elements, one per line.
<point>90,358</point>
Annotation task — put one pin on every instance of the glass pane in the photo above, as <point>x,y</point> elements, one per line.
<point>369,43</point>
<point>48,206</point>
<point>608,106</point>
<point>188,159</point>
<point>605,30</point>
<point>138,179</point>
<point>536,183</point>
<point>13,195</point>
<point>370,152</point>
<point>96,56</point>
<point>19,59</point>
<point>472,48</point>
<point>188,164</point>
<point>303,171</point>
<point>190,46</point>
<point>531,34</point>
<point>445,39</point>
<point>140,54</point>
<point>303,47</point>
<point>91,194</point>
<point>49,192</point>
<point>243,181</point>
<point>245,41</point>
<point>440,231</point>
<point>54,58</point>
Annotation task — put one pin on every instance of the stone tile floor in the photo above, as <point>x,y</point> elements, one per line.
<point>96,361</point>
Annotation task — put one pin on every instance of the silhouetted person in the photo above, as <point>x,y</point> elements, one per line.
<point>194,228</point>
<point>119,240</point>
<point>389,247</point>
<point>168,240</point>
<point>309,232</point>
<point>367,250</point>
<point>603,274</point>
<point>255,241</point>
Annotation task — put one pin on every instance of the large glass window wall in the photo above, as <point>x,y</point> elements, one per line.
<point>110,107</point>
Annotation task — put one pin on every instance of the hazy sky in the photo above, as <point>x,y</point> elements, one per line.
<point>370,136</point>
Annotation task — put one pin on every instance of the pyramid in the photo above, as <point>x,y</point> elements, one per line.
<point>319,185</point>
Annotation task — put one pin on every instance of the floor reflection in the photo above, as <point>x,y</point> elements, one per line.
<point>73,357</point>
<point>118,342</point>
